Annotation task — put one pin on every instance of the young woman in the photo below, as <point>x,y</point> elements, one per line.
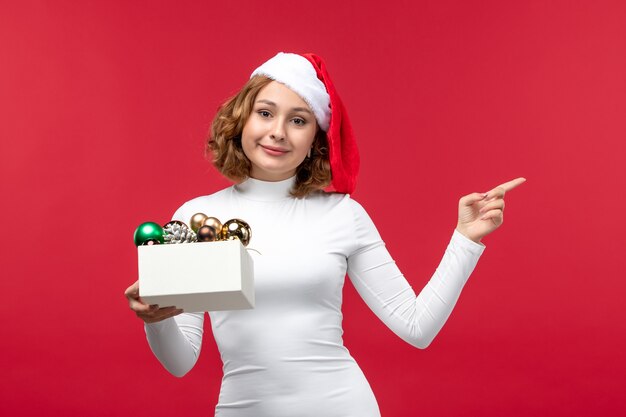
<point>284,138</point>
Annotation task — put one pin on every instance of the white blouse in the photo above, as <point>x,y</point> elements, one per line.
<point>286,356</point>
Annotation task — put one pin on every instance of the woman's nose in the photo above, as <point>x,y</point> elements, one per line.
<point>278,130</point>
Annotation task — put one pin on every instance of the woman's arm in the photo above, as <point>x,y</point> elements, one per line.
<point>416,319</point>
<point>174,338</point>
<point>176,341</point>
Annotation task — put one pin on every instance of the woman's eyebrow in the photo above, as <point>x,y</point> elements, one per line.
<point>271,103</point>
<point>304,109</point>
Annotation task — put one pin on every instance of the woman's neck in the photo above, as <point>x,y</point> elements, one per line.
<point>259,190</point>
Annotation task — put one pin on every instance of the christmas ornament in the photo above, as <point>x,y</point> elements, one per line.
<point>237,229</point>
<point>207,234</point>
<point>178,232</point>
<point>213,222</point>
<point>149,233</point>
<point>197,220</point>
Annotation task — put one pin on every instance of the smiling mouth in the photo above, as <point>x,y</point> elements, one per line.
<point>274,151</point>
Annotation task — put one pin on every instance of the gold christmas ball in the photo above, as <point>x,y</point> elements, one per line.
<point>213,222</point>
<point>197,220</point>
<point>237,229</point>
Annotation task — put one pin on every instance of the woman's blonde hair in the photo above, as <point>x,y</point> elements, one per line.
<point>224,143</point>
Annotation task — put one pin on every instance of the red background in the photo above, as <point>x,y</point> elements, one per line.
<point>104,106</point>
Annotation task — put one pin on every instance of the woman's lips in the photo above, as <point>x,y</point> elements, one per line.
<point>274,151</point>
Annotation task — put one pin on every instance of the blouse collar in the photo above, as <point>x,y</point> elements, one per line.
<point>258,190</point>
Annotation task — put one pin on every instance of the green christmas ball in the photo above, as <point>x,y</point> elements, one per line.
<point>149,233</point>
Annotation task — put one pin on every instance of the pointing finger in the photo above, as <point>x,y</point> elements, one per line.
<point>508,186</point>
<point>501,189</point>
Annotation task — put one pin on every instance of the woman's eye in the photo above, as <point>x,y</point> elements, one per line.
<point>299,122</point>
<point>264,113</point>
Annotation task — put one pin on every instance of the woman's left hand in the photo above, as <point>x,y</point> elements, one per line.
<point>481,214</point>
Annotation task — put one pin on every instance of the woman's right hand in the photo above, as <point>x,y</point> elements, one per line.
<point>148,313</point>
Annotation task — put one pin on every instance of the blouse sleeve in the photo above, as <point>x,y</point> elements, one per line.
<point>176,341</point>
<point>416,319</point>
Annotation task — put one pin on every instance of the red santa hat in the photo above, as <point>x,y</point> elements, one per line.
<point>307,76</point>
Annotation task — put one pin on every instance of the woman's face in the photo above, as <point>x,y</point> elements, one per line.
<point>278,134</point>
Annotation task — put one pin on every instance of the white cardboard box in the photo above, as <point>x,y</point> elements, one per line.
<point>201,276</point>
